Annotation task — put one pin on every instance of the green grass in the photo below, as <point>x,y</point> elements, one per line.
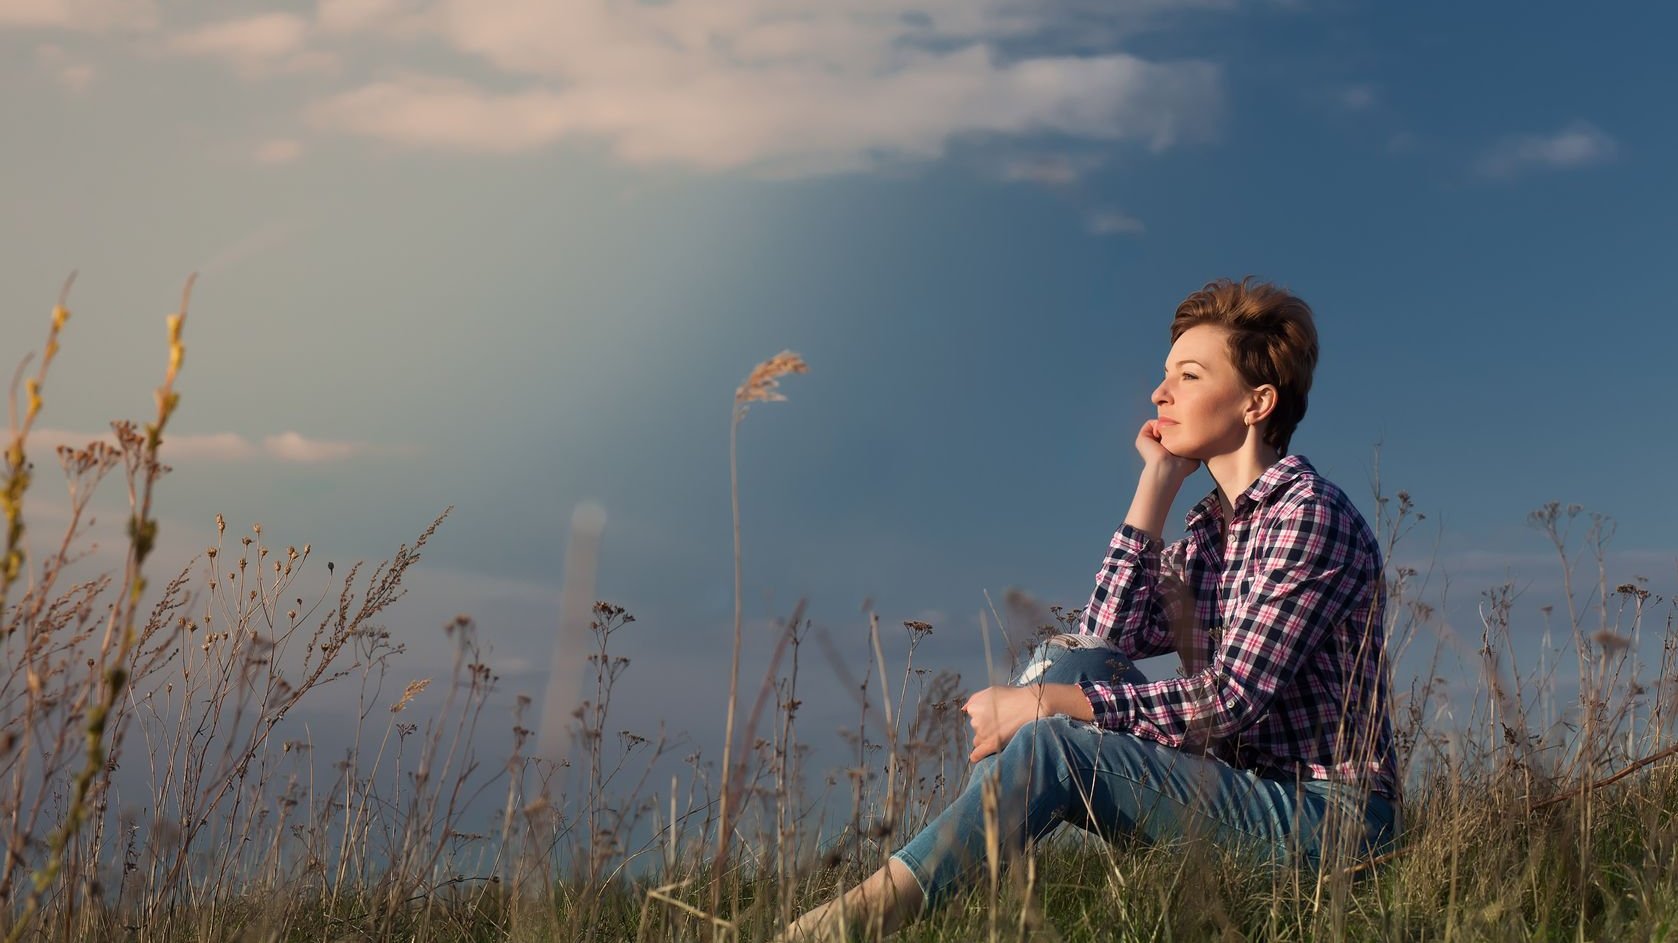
<point>1513,830</point>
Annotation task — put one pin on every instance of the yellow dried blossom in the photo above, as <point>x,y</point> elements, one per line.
<point>761,385</point>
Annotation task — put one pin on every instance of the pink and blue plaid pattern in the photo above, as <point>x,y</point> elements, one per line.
<point>1280,629</point>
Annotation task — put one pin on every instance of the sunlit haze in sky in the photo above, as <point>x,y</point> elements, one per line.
<point>514,256</point>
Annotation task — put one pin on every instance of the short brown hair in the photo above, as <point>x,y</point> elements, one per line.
<point>1272,339</point>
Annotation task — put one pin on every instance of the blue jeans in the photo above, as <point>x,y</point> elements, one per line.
<point>1058,769</point>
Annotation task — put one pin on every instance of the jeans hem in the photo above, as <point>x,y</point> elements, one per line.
<point>915,868</point>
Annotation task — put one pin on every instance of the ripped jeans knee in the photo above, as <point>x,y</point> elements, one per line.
<point>1071,657</point>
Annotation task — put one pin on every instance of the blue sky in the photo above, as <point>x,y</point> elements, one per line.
<point>512,256</point>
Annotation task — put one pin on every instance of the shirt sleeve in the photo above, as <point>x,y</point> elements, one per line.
<point>1307,573</point>
<point>1139,594</point>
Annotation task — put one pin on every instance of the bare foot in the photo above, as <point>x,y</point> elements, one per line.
<point>885,901</point>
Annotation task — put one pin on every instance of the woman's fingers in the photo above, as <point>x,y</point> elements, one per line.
<point>1151,446</point>
<point>981,716</point>
<point>1148,443</point>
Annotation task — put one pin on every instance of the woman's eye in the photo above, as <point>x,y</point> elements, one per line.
<point>1189,376</point>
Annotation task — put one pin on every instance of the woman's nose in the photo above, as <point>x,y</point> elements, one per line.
<point>1160,396</point>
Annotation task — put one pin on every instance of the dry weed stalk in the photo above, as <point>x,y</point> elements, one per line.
<point>760,386</point>
<point>205,723</point>
<point>17,465</point>
<point>112,660</point>
<point>1516,826</point>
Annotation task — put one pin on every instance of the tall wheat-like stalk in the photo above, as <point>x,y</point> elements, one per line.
<point>761,386</point>
<point>16,481</point>
<point>117,647</point>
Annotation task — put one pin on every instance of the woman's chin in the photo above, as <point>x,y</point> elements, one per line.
<point>1182,450</point>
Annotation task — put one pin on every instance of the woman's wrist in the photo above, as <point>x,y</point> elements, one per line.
<point>1155,490</point>
<point>1068,699</point>
<point>1169,473</point>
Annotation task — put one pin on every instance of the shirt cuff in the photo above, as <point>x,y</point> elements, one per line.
<point>1106,704</point>
<point>1133,541</point>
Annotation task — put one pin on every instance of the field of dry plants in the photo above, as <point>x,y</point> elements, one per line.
<point>1531,814</point>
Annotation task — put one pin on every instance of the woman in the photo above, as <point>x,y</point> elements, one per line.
<point>1276,739</point>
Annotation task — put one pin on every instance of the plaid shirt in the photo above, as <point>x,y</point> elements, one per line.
<point>1280,632</point>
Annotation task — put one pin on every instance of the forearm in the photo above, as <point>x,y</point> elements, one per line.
<point>1130,605</point>
<point>1068,699</point>
<point>1155,490</point>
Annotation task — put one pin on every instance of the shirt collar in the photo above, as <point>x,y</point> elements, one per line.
<point>1274,477</point>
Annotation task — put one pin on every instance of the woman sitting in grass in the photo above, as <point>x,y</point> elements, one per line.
<point>1276,739</point>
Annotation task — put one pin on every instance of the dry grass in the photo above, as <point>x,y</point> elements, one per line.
<point>1531,815</point>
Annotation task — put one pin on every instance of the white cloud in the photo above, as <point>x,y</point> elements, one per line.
<point>64,69</point>
<point>345,16</point>
<point>77,77</point>
<point>289,447</point>
<point>212,447</point>
<point>278,151</point>
<point>255,45</point>
<point>1054,170</point>
<point>294,447</point>
<point>934,617</point>
<point>1356,97</point>
<point>86,15</point>
<point>266,237</point>
<point>445,113</point>
<point>1112,222</point>
<point>780,87</point>
<point>265,36</point>
<point>1579,144</point>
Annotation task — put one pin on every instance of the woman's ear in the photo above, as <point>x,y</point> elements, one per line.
<point>1260,404</point>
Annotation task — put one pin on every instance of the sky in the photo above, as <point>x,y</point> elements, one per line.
<point>513,257</point>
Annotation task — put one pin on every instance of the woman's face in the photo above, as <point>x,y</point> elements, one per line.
<point>1202,399</point>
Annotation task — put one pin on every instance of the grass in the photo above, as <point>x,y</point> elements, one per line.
<point>1526,819</point>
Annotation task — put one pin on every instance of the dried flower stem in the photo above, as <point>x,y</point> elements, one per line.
<point>759,387</point>
<point>17,466</point>
<point>120,629</point>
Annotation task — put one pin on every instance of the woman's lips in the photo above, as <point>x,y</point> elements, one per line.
<point>1166,422</point>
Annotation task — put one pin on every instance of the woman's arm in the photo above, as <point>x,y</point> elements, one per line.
<point>1138,592</point>
<point>1155,491</point>
<point>1309,569</point>
<point>998,712</point>
<point>1132,604</point>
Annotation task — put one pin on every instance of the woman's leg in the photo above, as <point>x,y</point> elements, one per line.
<point>1058,769</point>
<point>1072,657</point>
<point>884,901</point>
<point>944,848</point>
<point>894,894</point>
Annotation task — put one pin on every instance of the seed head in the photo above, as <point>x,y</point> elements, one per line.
<point>1611,643</point>
<point>414,687</point>
<point>761,385</point>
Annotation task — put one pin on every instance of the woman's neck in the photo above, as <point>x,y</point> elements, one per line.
<point>1236,471</point>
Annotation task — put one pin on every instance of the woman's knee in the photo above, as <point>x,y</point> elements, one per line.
<point>1070,657</point>
<point>1051,727</point>
<point>1045,745</point>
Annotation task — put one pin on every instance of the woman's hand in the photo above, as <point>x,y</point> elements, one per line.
<point>997,713</point>
<point>1155,455</point>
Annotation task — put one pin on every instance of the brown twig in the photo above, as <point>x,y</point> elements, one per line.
<point>1609,781</point>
